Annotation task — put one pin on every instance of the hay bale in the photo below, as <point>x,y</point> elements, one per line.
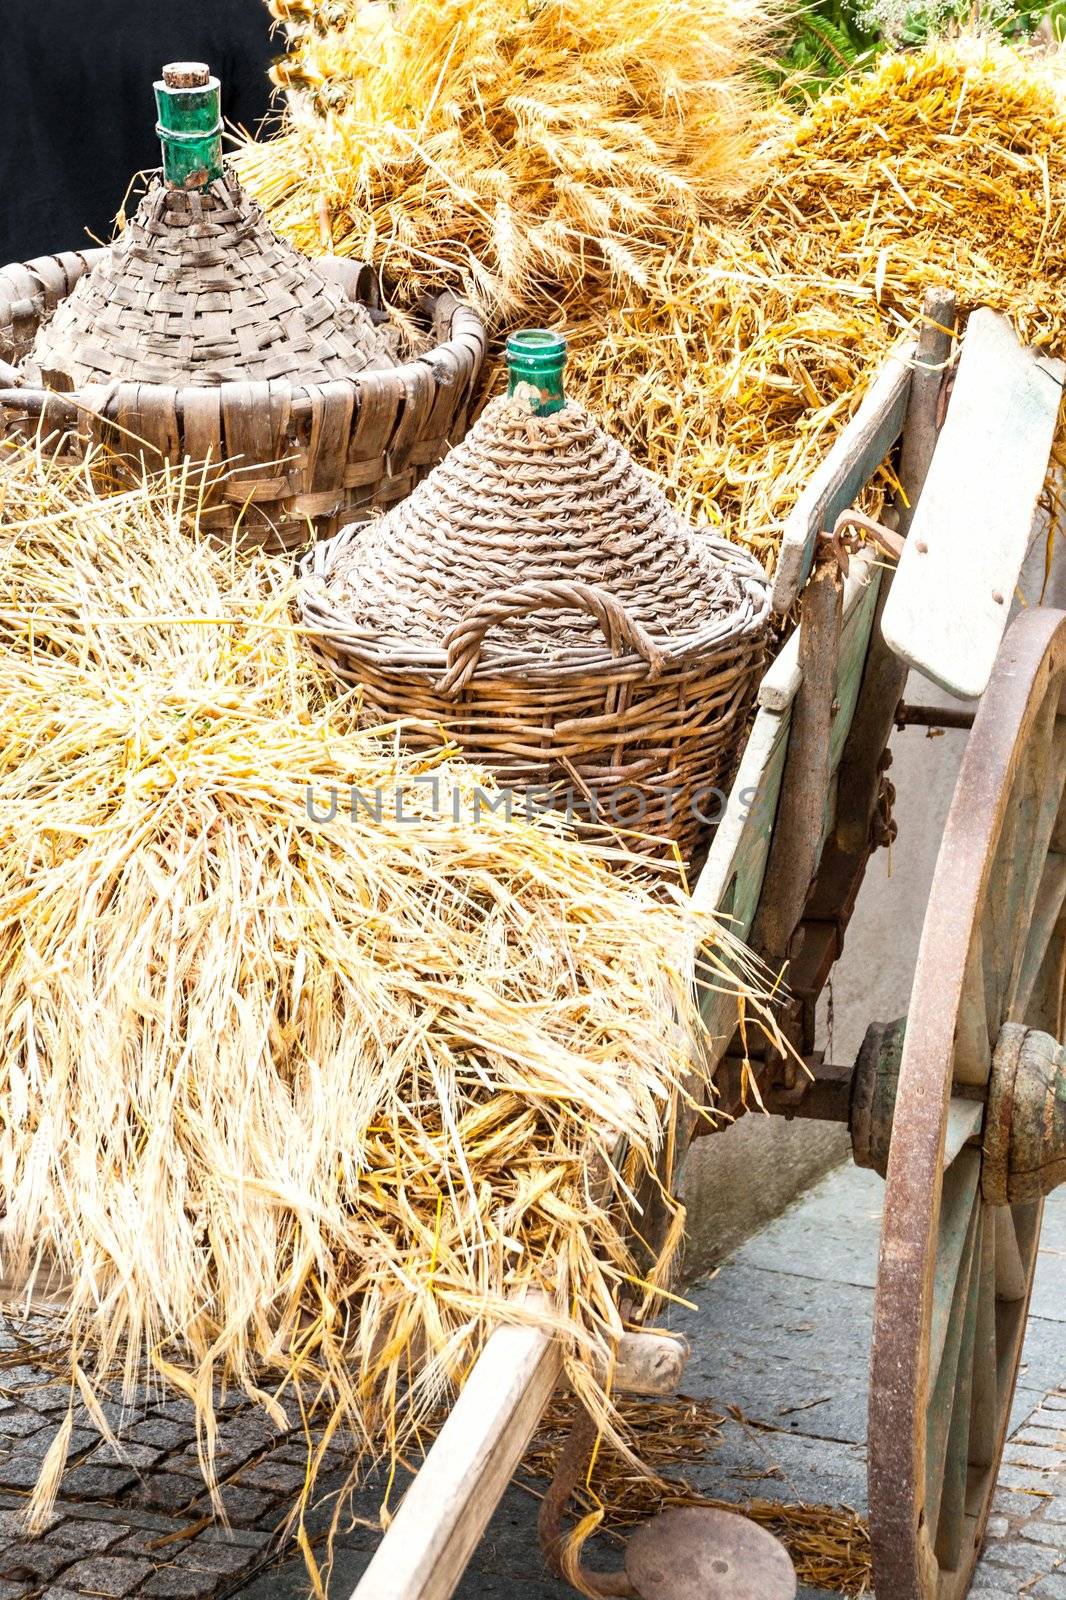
<point>946,166</point>
<point>733,340</point>
<point>531,156</point>
<point>300,1105</point>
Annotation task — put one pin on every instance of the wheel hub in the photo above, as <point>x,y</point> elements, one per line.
<point>1023,1134</point>
<point>1024,1140</point>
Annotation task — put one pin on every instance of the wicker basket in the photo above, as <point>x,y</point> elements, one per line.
<point>538,599</point>
<point>200,334</point>
<point>297,456</point>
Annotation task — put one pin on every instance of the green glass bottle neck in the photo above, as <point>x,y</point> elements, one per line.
<point>537,358</point>
<point>190,131</point>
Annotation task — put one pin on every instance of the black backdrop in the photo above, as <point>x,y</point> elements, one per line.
<point>77,113</point>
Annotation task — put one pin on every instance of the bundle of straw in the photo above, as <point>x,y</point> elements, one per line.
<point>531,155</point>
<point>731,360</point>
<point>303,1106</point>
<point>947,166</point>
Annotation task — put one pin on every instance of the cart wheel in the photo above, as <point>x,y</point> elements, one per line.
<point>956,1269</point>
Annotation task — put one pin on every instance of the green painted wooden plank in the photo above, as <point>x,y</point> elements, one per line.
<point>854,642</point>
<point>849,466</point>
<point>732,878</point>
<point>984,1419</point>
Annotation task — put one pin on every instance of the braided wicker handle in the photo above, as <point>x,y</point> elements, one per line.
<point>465,640</point>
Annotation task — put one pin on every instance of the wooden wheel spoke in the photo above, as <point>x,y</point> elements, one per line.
<point>1011,1275</point>
<point>1044,920</point>
<point>974,1036</point>
<point>953,1372</point>
<point>958,1205</point>
<point>984,1415</point>
<point>1038,905</point>
<point>951,1521</point>
<point>964,1121</point>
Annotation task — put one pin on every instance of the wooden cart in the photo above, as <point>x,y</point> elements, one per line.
<point>961,1105</point>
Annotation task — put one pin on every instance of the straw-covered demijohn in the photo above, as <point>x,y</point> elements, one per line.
<point>199,332</point>
<point>199,289</point>
<point>539,598</point>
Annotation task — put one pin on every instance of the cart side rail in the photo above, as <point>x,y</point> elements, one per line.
<point>732,879</point>
<point>849,466</point>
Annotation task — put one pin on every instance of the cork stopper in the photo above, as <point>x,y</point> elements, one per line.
<point>186,75</point>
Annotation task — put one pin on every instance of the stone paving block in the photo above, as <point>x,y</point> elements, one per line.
<point>1013,1477</point>
<point>768,1320</point>
<point>272,1477</point>
<point>12,1525</point>
<point>85,1536</point>
<point>214,1552</point>
<point>1023,1405</point>
<point>164,1433</point>
<point>141,1457</point>
<point>183,1583</point>
<point>244,1507</point>
<point>33,1561</point>
<point>1048,1416</point>
<point>832,1233</point>
<point>240,1438</point>
<point>1055,1510</point>
<point>1017,1503</point>
<point>1020,1557</point>
<point>112,1576</point>
<point>1043,1435</point>
<point>1042,1355</point>
<point>746,1465</point>
<point>18,1422</point>
<point>1042,1460</point>
<point>1050,1588</point>
<point>114,1412</point>
<point>145,1542</point>
<point>12,1591</point>
<point>167,1491</point>
<point>97,1481</point>
<point>20,1466</point>
<point>1047,1300</point>
<point>20,1471</point>
<point>1052,1533</point>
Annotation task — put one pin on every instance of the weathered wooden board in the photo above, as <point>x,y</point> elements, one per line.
<point>732,878</point>
<point>781,679</point>
<point>448,1506</point>
<point>850,464</point>
<point>951,596</point>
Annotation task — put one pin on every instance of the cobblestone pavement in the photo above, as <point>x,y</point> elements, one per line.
<point>782,1333</point>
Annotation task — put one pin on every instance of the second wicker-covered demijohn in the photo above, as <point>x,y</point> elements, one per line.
<point>200,334</point>
<point>538,598</point>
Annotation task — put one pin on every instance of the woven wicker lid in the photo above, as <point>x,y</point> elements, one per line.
<point>530,499</point>
<point>199,289</point>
